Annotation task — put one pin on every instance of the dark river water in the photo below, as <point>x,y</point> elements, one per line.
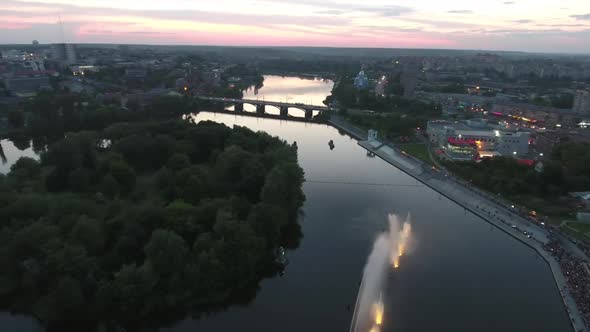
<point>461,274</point>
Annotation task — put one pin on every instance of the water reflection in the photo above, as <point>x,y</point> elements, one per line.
<point>310,91</point>
<point>2,155</point>
<point>11,151</point>
<point>18,323</point>
<point>389,246</point>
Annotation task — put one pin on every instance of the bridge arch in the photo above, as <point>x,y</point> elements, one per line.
<point>260,106</point>
<point>251,108</point>
<point>300,111</point>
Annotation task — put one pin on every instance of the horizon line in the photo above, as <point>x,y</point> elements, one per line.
<point>573,53</point>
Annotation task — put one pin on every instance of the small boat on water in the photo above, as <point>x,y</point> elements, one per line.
<point>281,257</point>
<point>331,145</point>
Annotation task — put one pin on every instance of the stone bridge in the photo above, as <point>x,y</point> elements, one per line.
<point>261,105</point>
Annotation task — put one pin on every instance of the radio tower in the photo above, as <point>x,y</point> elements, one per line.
<point>61,28</point>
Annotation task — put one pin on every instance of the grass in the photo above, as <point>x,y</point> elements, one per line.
<point>557,212</point>
<point>580,227</point>
<point>578,230</point>
<point>417,150</point>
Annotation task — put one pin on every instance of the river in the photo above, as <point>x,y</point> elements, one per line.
<point>461,273</point>
<point>10,153</point>
<point>294,90</point>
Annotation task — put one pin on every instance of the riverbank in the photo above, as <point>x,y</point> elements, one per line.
<point>476,202</point>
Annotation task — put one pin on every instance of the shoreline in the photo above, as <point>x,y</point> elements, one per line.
<point>453,191</point>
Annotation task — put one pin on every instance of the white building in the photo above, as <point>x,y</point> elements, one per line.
<point>459,141</point>
<point>361,81</point>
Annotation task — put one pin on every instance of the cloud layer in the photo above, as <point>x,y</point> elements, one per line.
<point>527,25</point>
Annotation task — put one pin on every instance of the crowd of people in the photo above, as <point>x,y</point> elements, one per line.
<point>585,248</point>
<point>577,275</point>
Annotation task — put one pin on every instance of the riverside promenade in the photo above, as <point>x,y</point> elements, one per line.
<point>477,202</point>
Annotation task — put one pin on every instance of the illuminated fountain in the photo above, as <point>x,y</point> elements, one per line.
<point>389,246</point>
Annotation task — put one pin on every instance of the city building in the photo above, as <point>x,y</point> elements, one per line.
<point>361,81</point>
<point>65,52</point>
<point>14,55</point>
<point>26,86</point>
<point>409,80</point>
<point>582,102</point>
<point>474,139</point>
<point>212,77</point>
<point>380,87</point>
<point>82,70</point>
<point>135,73</point>
<point>537,114</point>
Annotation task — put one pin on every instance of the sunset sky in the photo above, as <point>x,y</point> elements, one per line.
<point>522,25</point>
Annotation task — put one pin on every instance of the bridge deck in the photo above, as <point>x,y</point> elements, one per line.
<point>265,102</point>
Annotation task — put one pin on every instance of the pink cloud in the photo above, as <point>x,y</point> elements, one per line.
<point>14,26</point>
<point>331,24</point>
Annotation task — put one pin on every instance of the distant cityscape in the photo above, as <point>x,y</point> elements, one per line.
<point>540,99</point>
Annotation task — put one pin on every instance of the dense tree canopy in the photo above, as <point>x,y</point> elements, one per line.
<point>567,170</point>
<point>122,226</point>
<point>52,115</point>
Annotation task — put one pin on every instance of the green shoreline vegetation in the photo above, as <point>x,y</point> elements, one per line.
<point>123,226</point>
<point>566,170</point>
<point>418,150</point>
<point>392,114</point>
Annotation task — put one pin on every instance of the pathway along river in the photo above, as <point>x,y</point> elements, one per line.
<point>461,275</point>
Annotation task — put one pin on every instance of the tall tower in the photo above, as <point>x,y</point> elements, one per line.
<point>65,52</point>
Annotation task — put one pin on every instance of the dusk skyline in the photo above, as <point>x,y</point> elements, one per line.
<point>520,25</point>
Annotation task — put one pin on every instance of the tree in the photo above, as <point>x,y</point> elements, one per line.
<point>180,218</point>
<point>67,300</point>
<point>166,251</point>
<point>453,88</point>
<point>267,220</point>
<point>178,161</point>
<point>131,287</point>
<point>92,246</point>
<point>16,118</point>
<point>281,189</point>
<point>25,167</point>
<point>123,174</point>
<point>109,186</point>
<point>88,233</point>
